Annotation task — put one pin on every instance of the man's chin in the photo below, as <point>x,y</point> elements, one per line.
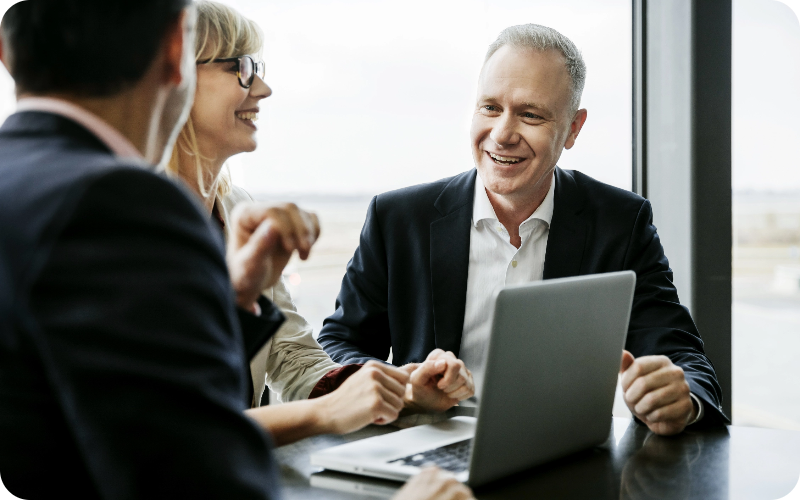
<point>499,184</point>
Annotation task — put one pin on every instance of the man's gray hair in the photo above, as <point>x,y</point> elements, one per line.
<point>542,38</point>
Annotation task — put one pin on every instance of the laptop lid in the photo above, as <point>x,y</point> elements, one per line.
<point>551,371</point>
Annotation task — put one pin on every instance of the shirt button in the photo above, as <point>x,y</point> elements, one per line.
<point>513,263</point>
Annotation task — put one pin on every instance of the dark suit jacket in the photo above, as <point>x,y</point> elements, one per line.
<point>406,286</point>
<point>123,371</point>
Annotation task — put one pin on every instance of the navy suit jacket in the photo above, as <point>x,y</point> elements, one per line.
<point>123,367</point>
<point>405,288</point>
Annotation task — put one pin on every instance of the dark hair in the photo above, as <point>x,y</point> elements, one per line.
<point>85,47</point>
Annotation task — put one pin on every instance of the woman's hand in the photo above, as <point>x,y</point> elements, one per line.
<point>434,484</point>
<point>438,383</point>
<point>372,395</point>
<point>263,238</point>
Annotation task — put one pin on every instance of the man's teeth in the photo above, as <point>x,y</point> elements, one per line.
<point>248,116</point>
<point>504,159</point>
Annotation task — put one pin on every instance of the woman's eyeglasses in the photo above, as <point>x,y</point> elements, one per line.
<point>247,68</point>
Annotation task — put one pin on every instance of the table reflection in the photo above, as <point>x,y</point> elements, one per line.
<point>657,467</point>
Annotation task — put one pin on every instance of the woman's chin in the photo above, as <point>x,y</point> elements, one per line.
<point>247,147</point>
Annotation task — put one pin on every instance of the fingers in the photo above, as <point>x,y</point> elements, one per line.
<point>656,391</point>
<point>454,375</point>
<point>426,371</point>
<point>460,394</point>
<point>313,224</point>
<point>662,397</point>
<point>298,229</point>
<point>410,368</point>
<point>267,239</point>
<point>452,370</point>
<point>399,374</point>
<point>380,374</point>
<point>435,354</point>
<point>384,413</point>
<point>434,484</point>
<point>388,407</point>
<point>678,411</point>
<point>301,229</point>
<point>662,377</point>
<point>465,391</point>
<point>446,373</point>
<point>627,361</point>
<point>641,367</point>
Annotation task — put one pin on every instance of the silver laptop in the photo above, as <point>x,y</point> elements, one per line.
<point>548,390</point>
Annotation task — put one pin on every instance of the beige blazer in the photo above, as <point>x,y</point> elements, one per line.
<point>291,362</point>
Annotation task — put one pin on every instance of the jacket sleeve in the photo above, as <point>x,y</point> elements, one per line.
<point>294,362</point>
<point>137,330</point>
<point>659,324</point>
<point>358,330</point>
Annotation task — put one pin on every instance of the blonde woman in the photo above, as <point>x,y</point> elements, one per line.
<point>230,87</point>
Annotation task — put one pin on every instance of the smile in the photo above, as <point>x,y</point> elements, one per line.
<point>504,160</point>
<point>247,115</point>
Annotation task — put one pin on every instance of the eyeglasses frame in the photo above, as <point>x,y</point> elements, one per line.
<point>238,61</point>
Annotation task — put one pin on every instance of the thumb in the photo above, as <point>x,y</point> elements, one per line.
<point>410,368</point>
<point>428,370</point>
<point>627,361</point>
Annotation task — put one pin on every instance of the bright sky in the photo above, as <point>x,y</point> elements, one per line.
<point>371,95</point>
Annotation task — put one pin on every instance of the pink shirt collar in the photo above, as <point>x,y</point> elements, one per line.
<point>107,134</point>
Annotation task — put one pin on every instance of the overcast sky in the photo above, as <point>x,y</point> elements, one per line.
<point>372,95</point>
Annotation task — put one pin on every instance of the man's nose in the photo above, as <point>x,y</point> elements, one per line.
<point>504,132</point>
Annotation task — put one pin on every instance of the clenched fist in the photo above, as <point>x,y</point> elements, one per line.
<point>656,392</point>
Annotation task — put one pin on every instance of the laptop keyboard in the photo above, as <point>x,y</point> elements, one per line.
<point>453,457</point>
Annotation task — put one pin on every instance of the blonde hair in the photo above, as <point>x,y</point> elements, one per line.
<point>222,32</point>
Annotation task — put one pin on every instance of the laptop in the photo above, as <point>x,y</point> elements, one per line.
<point>550,376</point>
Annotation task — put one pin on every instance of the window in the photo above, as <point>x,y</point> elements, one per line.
<point>372,96</point>
<point>766,213</point>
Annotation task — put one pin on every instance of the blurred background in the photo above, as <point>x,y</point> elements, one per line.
<point>374,95</point>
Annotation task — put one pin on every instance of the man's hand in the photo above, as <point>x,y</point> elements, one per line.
<point>656,392</point>
<point>434,484</point>
<point>263,238</point>
<point>439,383</point>
<point>372,395</point>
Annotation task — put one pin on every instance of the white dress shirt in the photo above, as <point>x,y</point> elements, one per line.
<point>493,263</point>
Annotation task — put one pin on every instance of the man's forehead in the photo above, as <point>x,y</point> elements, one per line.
<point>523,62</point>
<point>534,77</point>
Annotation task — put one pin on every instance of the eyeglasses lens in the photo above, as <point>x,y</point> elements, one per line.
<point>246,71</point>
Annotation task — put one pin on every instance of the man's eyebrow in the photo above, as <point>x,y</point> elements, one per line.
<point>540,107</point>
<point>533,105</point>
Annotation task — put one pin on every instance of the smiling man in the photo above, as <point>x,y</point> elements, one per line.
<point>431,256</point>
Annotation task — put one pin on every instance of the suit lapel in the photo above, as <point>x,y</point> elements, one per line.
<point>450,259</point>
<point>565,243</point>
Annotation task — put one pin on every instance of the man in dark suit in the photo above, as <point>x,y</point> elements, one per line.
<point>431,256</point>
<point>124,336</point>
<point>123,369</point>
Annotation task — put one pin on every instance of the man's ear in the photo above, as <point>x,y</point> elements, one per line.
<point>3,55</point>
<point>575,128</point>
<point>175,43</point>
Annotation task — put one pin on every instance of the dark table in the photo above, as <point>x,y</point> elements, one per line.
<point>724,463</point>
